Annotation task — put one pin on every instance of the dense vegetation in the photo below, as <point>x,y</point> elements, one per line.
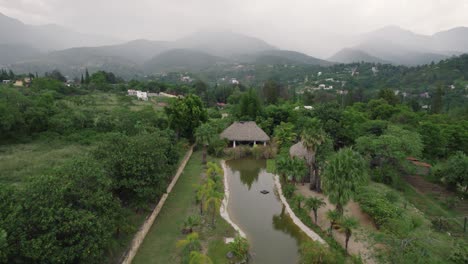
<point>358,145</point>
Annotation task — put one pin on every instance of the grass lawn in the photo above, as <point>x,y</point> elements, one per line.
<point>159,245</point>
<point>20,161</point>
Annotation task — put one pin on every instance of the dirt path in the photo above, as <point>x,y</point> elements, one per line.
<point>357,244</point>
<point>423,186</point>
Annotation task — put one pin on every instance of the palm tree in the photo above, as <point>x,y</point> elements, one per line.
<point>203,191</point>
<point>191,222</point>
<point>199,258</point>
<point>191,242</point>
<point>297,200</point>
<point>213,202</point>
<point>347,224</point>
<point>345,172</point>
<point>314,204</point>
<point>333,216</point>
<point>204,136</point>
<point>284,134</point>
<point>312,139</point>
<point>298,169</point>
<point>213,171</point>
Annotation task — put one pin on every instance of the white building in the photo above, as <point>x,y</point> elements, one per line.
<point>328,88</point>
<point>322,86</point>
<point>142,95</point>
<point>234,81</point>
<point>132,92</point>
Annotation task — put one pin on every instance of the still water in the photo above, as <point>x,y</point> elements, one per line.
<point>274,238</point>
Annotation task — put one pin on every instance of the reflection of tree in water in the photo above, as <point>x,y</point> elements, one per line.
<point>284,223</point>
<point>248,169</point>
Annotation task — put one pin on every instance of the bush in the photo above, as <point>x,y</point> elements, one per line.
<point>377,206</point>
<point>288,190</point>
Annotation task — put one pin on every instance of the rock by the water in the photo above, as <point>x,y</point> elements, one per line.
<point>264,192</point>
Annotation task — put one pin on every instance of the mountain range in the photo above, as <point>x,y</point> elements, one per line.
<point>27,48</point>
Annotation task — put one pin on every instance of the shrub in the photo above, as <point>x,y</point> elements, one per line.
<point>377,206</point>
<point>288,190</point>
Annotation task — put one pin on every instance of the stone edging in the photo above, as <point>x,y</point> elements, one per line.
<point>144,229</point>
<point>309,232</point>
<point>223,209</point>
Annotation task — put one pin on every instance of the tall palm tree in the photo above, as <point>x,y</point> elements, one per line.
<point>333,216</point>
<point>297,200</point>
<point>345,172</point>
<point>347,224</point>
<point>204,136</point>
<point>213,202</point>
<point>312,139</point>
<point>314,204</point>
<point>199,258</point>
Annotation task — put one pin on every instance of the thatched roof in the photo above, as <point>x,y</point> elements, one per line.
<point>244,131</point>
<point>298,150</point>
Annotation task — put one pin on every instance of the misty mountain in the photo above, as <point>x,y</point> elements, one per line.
<point>223,44</point>
<point>399,46</point>
<point>281,57</point>
<point>46,37</point>
<point>182,60</point>
<point>354,55</point>
<point>10,53</point>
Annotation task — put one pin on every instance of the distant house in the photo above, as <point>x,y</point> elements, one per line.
<point>245,133</point>
<point>19,83</point>
<point>234,81</point>
<point>142,95</point>
<point>220,105</point>
<point>6,81</point>
<point>132,92</point>
<point>322,86</point>
<point>167,95</point>
<point>307,107</point>
<point>328,88</point>
<point>186,79</point>
<point>298,150</point>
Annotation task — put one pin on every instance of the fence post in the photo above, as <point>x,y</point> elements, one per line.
<point>464,225</point>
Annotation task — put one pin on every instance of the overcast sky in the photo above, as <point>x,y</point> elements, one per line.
<point>292,24</point>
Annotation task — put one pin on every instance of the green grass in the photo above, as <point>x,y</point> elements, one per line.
<point>271,166</point>
<point>21,161</point>
<point>159,245</point>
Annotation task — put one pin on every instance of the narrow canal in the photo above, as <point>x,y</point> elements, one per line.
<point>274,238</point>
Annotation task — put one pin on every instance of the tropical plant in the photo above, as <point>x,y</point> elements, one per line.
<point>214,171</point>
<point>191,242</point>
<point>284,134</point>
<point>213,202</point>
<point>199,258</point>
<point>297,200</point>
<point>313,252</point>
<point>240,248</point>
<point>190,222</point>
<point>348,224</point>
<point>333,216</point>
<point>203,192</point>
<point>204,136</point>
<point>298,169</point>
<point>344,174</point>
<point>311,139</point>
<point>283,165</point>
<point>314,203</point>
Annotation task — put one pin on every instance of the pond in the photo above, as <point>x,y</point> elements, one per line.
<point>273,236</point>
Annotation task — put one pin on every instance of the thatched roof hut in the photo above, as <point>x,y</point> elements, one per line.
<point>245,132</point>
<point>298,150</point>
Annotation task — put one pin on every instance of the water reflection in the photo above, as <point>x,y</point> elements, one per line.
<point>273,236</point>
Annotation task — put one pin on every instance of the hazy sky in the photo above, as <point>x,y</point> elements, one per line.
<point>293,24</point>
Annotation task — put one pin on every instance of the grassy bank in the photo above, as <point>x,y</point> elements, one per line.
<point>160,243</point>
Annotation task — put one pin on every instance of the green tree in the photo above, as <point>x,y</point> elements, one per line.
<point>204,135</point>
<point>313,252</point>
<point>389,96</point>
<point>213,200</point>
<point>3,246</point>
<point>249,106</point>
<point>454,172</point>
<point>348,224</point>
<point>298,199</point>
<point>240,248</point>
<point>312,139</point>
<point>313,204</point>
<point>437,101</point>
<point>388,151</point>
<point>271,91</point>
<point>333,216</point>
<point>87,79</point>
<point>185,115</point>
<point>344,174</point>
<point>284,134</point>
